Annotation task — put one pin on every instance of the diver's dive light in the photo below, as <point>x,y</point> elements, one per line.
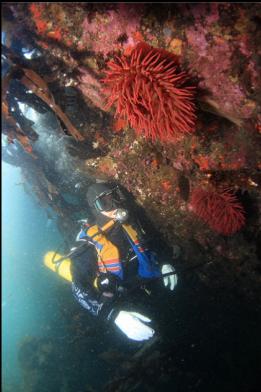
<point>121,215</point>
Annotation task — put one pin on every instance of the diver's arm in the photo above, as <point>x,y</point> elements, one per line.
<point>98,305</point>
<point>153,241</point>
<point>132,324</point>
<point>84,272</point>
<point>154,264</point>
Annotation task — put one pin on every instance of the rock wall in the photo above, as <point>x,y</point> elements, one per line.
<point>217,46</point>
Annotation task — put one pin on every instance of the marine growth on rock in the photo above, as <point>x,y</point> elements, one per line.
<point>151,93</point>
<point>219,209</point>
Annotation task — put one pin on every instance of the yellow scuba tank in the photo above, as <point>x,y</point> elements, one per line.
<point>63,268</point>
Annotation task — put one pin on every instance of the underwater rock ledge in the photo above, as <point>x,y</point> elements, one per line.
<point>217,45</point>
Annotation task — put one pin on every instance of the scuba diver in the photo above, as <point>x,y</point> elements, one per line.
<point>102,272</point>
<point>116,252</point>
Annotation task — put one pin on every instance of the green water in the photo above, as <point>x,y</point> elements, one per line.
<point>209,339</point>
<point>27,303</point>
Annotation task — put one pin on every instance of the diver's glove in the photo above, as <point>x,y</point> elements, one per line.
<point>170,280</point>
<point>132,324</point>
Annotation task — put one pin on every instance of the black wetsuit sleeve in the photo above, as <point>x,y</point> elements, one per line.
<point>83,269</point>
<point>153,241</point>
<point>97,305</point>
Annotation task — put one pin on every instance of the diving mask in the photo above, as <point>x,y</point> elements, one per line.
<point>109,200</point>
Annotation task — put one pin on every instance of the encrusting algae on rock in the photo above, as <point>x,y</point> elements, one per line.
<point>181,115</point>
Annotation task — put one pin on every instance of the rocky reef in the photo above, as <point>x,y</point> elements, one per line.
<point>124,80</point>
<point>216,47</point>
